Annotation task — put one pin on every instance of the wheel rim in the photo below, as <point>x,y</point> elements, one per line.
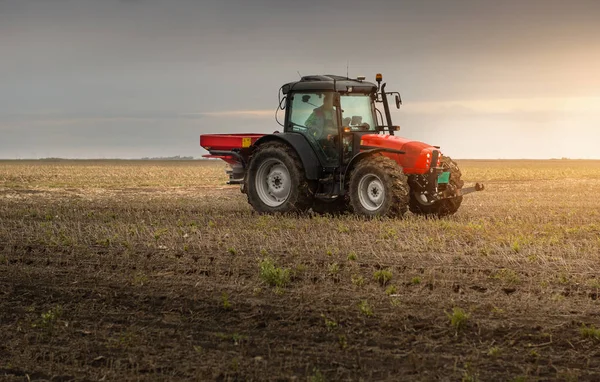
<point>422,199</point>
<point>273,182</point>
<point>371,192</point>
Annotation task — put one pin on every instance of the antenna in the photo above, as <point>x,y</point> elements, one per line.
<point>347,65</point>
<point>299,75</point>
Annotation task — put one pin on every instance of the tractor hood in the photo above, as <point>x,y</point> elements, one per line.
<point>414,161</point>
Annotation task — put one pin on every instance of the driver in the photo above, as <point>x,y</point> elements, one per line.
<point>323,119</point>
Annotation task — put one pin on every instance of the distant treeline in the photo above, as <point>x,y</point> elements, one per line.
<point>177,157</point>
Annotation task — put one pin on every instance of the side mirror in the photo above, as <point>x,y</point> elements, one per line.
<point>394,128</point>
<point>398,101</point>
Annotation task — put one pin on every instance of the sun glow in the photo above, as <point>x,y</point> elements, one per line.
<point>509,105</point>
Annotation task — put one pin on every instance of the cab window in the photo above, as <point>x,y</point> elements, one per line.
<point>357,112</point>
<point>315,116</point>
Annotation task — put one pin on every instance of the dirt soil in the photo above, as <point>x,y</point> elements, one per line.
<point>160,279</point>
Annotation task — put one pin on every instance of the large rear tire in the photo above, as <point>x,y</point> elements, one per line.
<point>444,207</point>
<point>378,187</point>
<point>276,182</point>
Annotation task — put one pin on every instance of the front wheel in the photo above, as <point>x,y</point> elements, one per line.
<point>378,187</point>
<point>443,207</point>
<point>276,182</point>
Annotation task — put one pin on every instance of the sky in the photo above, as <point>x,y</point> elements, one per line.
<point>136,78</point>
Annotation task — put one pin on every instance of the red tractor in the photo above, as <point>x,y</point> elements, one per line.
<point>336,153</point>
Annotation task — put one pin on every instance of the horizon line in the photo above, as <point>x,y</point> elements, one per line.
<point>191,158</point>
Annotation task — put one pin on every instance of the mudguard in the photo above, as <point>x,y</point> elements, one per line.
<point>355,159</point>
<point>310,161</point>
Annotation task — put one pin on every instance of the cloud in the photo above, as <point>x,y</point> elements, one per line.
<point>61,118</point>
<point>507,106</point>
<point>88,121</point>
<point>233,113</point>
<point>514,106</point>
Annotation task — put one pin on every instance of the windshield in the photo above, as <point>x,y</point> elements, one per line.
<point>357,112</point>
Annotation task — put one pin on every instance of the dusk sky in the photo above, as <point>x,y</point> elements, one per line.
<point>481,79</point>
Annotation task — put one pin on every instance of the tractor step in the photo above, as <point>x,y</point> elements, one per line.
<point>334,189</point>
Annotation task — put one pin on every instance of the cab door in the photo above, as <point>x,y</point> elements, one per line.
<point>316,116</point>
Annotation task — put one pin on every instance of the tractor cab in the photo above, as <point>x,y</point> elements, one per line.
<point>330,111</point>
<point>333,113</point>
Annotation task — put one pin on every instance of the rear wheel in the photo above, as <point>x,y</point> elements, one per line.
<point>442,207</point>
<point>378,187</point>
<point>276,182</point>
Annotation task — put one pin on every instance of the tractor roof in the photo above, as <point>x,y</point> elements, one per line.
<point>329,83</point>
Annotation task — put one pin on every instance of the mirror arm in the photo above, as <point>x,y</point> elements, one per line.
<point>386,107</point>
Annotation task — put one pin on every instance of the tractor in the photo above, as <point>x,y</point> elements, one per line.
<point>338,154</point>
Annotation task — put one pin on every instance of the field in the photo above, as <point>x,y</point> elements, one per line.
<point>141,270</point>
